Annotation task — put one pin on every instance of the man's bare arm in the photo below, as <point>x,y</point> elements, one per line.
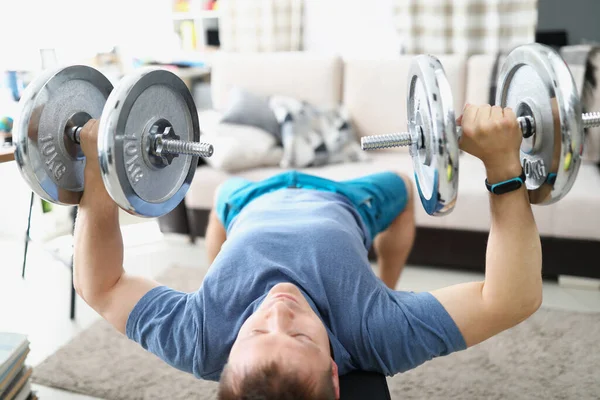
<point>512,289</point>
<point>99,277</point>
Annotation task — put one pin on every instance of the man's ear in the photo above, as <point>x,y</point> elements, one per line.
<point>336,379</point>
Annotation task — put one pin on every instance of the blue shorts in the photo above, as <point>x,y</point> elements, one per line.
<point>378,198</point>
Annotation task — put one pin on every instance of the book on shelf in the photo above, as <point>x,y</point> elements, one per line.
<point>19,385</point>
<point>25,392</point>
<point>12,345</point>
<point>14,373</point>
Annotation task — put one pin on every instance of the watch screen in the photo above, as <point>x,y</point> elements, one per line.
<point>508,187</point>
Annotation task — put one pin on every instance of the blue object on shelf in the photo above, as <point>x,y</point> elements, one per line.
<point>190,63</point>
<point>137,63</point>
<point>14,84</point>
<point>6,124</point>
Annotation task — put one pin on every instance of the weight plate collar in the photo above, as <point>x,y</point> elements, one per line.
<point>51,164</point>
<point>137,102</point>
<point>430,109</point>
<point>535,79</point>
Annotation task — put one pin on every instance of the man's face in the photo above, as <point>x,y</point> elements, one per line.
<point>284,329</point>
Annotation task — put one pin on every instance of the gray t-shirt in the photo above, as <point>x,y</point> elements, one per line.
<point>315,240</point>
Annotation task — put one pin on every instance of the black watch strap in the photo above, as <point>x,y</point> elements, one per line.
<point>507,185</point>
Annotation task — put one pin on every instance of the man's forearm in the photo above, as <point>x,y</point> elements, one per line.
<point>514,259</point>
<point>98,255</point>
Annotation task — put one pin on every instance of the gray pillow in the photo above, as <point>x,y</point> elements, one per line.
<point>246,108</point>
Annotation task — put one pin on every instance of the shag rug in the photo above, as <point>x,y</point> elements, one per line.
<point>552,355</point>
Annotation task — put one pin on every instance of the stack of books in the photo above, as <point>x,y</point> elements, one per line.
<point>15,374</point>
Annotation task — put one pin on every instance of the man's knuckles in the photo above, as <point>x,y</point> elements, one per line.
<point>508,124</point>
<point>484,111</point>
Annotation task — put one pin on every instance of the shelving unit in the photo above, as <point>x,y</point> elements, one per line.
<point>203,14</point>
<point>192,22</point>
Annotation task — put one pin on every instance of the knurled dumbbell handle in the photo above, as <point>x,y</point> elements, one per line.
<point>169,146</point>
<point>591,119</point>
<point>405,139</point>
<point>185,147</point>
<point>374,142</point>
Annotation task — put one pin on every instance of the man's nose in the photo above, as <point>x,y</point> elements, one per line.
<point>280,317</point>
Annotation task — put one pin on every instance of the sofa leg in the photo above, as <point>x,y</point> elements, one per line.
<point>198,222</point>
<point>176,221</point>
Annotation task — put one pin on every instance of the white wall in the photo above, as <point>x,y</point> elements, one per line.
<point>78,29</point>
<point>350,27</point>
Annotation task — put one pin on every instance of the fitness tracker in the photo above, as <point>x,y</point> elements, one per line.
<point>506,186</point>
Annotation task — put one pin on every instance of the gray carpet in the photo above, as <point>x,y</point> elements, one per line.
<point>552,355</point>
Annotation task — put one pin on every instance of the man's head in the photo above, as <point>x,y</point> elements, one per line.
<point>281,351</point>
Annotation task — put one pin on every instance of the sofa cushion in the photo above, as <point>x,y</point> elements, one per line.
<point>472,211</point>
<point>247,108</point>
<point>207,179</point>
<point>209,122</point>
<point>314,78</point>
<point>577,215</point>
<point>202,190</point>
<point>479,75</point>
<point>375,91</point>
<point>240,147</point>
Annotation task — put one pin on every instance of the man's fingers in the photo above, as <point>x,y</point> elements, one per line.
<point>497,114</point>
<point>509,114</point>
<point>88,139</point>
<point>484,113</point>
<point>469,116</point>
<point>510,119</point>
<point>89,131</point>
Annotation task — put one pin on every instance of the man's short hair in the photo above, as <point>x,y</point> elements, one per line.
<point>270,381</point>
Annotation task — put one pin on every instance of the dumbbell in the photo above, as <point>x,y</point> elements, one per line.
<point>148,137</point>
<point>537,84</point>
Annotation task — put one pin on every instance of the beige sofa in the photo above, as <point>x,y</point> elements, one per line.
<point>374,92</point>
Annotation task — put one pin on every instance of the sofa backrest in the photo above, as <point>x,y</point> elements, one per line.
<point>479,75</point>
<point>375,91</point>
<point>314,78</point>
